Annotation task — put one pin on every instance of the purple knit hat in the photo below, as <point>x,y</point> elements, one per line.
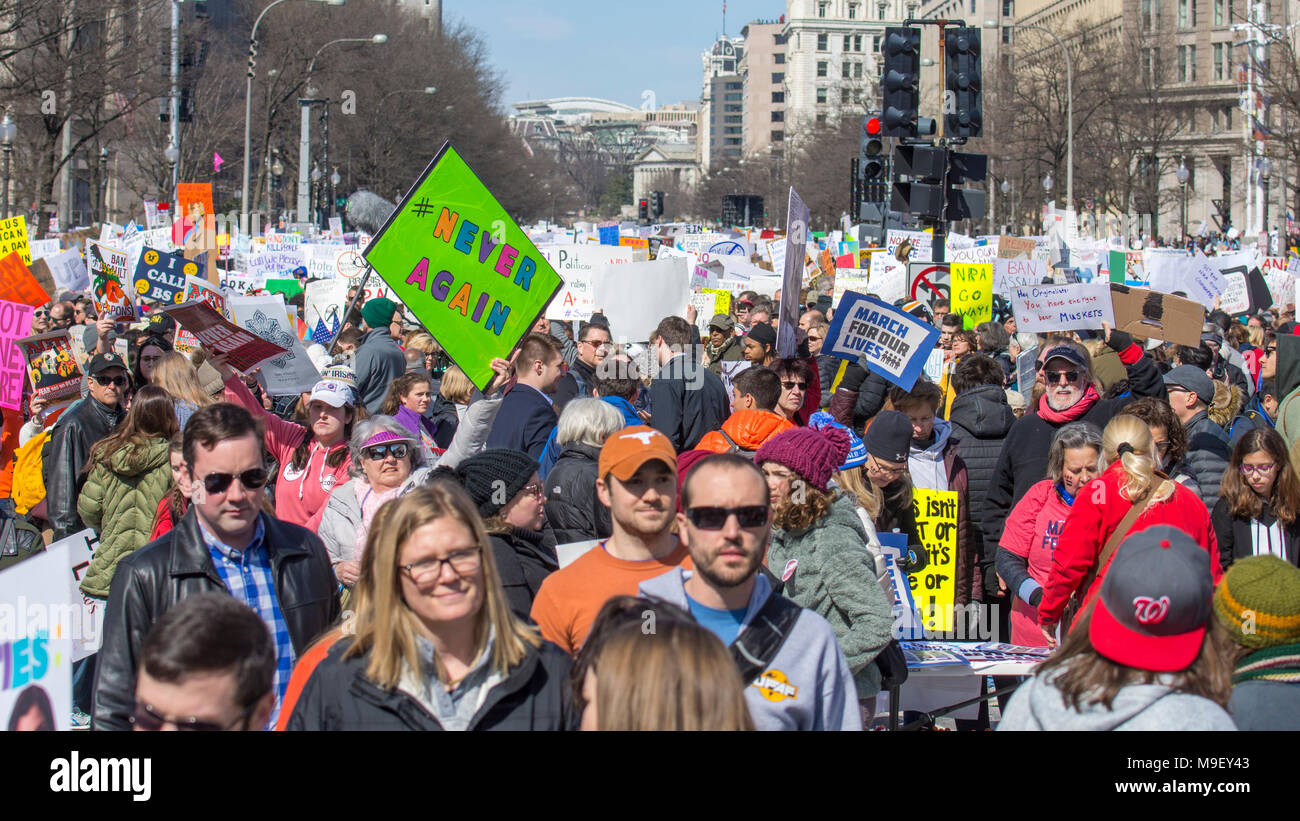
<point>813,454</point>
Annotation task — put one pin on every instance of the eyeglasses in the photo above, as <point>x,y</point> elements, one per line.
<point>41,312</point>
<point>251,479</point>
<point>115,381</point>
<point>1053,377</point>
<point>1270,351</point>
<point>536,488</point>
<point>715,518</point>
<point>147,718</point>
<point>463,563</point>
<point>597,343</point>
<point>803,386</point>
<point>876,465</point>
<point>812,338</point>
<point>378,452</point>
<point>1162,446</point>
<point>1257,470</point>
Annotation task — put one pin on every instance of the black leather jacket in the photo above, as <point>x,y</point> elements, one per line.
<point>67,452</point>
<point>163,572</point>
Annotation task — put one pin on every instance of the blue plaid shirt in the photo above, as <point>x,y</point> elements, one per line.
<point>248,576</point>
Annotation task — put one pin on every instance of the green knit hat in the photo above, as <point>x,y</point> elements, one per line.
<point>1259,602</point>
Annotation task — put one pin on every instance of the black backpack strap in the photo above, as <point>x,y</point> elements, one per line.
<point>757,645</point>
<point>735,448</point>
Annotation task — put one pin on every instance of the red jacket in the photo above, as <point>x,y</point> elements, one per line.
<point>1098,509</point>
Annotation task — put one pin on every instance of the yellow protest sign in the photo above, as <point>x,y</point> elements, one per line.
<point>13,237</point>
<point>934,587</point>
<point>722,303</point>
<point>972,292</point>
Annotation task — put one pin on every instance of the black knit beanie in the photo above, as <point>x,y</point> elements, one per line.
<point>481,473</point>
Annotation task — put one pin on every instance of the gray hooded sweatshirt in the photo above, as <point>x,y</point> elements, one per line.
<point>1038,705</point>
<point>926,466</point>
<point>817,690</point>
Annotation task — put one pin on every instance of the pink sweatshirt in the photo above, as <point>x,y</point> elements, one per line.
<point>300,495</point>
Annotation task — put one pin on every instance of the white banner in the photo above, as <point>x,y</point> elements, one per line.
<point>1008,273</point>
<point>36,645</point>
<point>636,295</point>
<point>1049,308</point>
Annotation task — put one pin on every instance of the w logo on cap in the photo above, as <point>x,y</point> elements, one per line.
<point>1150,611</point>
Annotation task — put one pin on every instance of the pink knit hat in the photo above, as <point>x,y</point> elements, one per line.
<point>813,454</point>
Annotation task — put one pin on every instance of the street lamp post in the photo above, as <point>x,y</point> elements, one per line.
<point>1047,192</point>
<point>8,133</point>
<point>248,107</point>
<point>1011,209</point>
<point>1069,106</point>
<point>277,169</point>
<point>315,188</point>
<point>1183,175</point>
<point>335,179</point>
<point>103,184</point>
<point>1265,170</point>
<point>172,155</point>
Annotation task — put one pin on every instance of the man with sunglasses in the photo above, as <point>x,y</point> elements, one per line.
<point>79,428</point>
<point>594,344</point>
<point>223,544</point>
<point>208,664</point>
<point>805,682</point>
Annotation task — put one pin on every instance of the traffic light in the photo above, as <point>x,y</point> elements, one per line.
<point>922,194</point>
<point>873,171</point>
<point>900,85</point>
<point>643,209</point>
<point>962,98</point>
<point>966,203</point>
<point>656,204</point>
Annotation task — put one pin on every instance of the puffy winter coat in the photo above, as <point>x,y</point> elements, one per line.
<point>748,429</point>
<point>524,559</point>
<point>1207,455</point>
<point>827,569</point>
<point>118,502</point>
<point>573,513</point>
<point>981,419</point>
<point>342,518</point>
<point>379,361</point>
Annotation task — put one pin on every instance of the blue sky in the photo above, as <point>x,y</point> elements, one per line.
<point>613,49</point>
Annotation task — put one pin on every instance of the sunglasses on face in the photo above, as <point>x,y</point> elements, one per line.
<point>803,386</point>
<point>715,518</point>
<point>115,381</point>
<point>378,452</point>
<point>1053,377</point>
<point>40,312</point>
<point>147,718</point>
<point>220,482</point>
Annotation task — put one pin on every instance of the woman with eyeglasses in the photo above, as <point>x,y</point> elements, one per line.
<point>1101,511</point>
<point>145,353</point>
<point>819,547</point>
<point>882,484</point>
<point>434,644</point>
<point>129,475</point>
<point>504,484</point>
<point>1258,512</point>
<point>385,463</point>
<point>798,384</point>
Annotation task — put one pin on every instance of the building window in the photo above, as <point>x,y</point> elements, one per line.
<point>1227,118</point>
<point>1150,15</point>
<point>779,39</point>
<point>821,118</point>
<point>1187,64</point>
<point>857,96</point>
<point>732,98</point>
<point>735,86</point>
<point>1219,66</point>
<point>823,42</point>
<point>1218,12</point>
<point>857,71</point>
<point>778,136</point>
<point>778,78</point>
<point>734,109</point>
<point>1194,21</point>
<point>778,116</point>
<point>821,9</point>
<point>848,41</point>
<point>853,11</point>
<point>732,141</point>
<point>845,70</point>
<point>1006,35</point>
<point>731,129</point>
<point>728,65</point>
<point>1214,119</point>
<point>1182,13</point>
<point>822,68</point>
<point>857,42</point>
<point>778,96</point>
<point>844,96</point>
<point>875,44</point>
<point>780,58</point>
<point>821,96</point>
<point>972,6</point>
<point>1008,8</point>
<point>733,119</point>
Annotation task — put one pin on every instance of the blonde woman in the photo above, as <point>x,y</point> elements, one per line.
<point>455,392</point>
<point>433,644</point>
<point>1101,508</point>
<point>174,374</point>
<point>677,677</point>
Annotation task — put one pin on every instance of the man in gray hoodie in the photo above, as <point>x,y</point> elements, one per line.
<point>725,525</point>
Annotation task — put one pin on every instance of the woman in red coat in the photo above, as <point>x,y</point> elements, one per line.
<point>1101,505</point>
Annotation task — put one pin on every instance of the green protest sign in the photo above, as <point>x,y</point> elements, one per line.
<point>457,260</point>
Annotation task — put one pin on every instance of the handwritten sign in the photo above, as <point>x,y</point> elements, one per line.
<point>1015,248</point>
<point>1008,273</point>
<point>52,366</point>
<point>721,300</point>
<point>108,275</point>
<point>972,292</point>
<point>15,323</point>
<point>934,587</point>
<point>246,350</point>
<point>13,237</point>
<point>881,338</point>
<point>90,634</point>
<point>1050,308</point>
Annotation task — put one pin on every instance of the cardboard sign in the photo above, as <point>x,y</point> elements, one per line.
<point>37,645</point>
<point>1202,281</point>
<point>1015,248</point>
<point>721,300</point>
<point>1146,313</point>
<point>160,277</point>
<point>464,267</point>
<point>705,308</point>
<point>922,244</point>
<point>246,350</point>
<point>1026,373</point>
<point>17,283</point>
<point>934,587</point>
<point>68,270</point>
<point>52,366</point>
<point>204,291</point>
<point>15,323</point>
<point>635,296</point>
<point>287,373</point>
<point>108,275</point>
<point>972,292</point>
<point>796,239</point>
<point>881,338</point>
<point>1044,309</point>
<point>13,237</point>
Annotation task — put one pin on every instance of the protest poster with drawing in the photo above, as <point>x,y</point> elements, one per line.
<point>108,277</point>
<point>52,366</point>
<point>268,317</point>
<point>37,668</point>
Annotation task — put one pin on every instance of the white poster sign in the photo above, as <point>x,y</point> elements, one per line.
<point>36,643</point>
<point>289,373</point>
<point>1050,308</point>
<point>636,295</point>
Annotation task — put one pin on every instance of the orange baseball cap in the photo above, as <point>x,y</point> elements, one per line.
<point>628,449</point>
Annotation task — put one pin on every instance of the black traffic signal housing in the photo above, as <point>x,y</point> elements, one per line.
<point>656,204</point>
<point>900,85</point>
<point>643,209</point>
<point>962,107</point>
<point>922,193</point>
<point>873,168</point>
<point>966,203</point>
